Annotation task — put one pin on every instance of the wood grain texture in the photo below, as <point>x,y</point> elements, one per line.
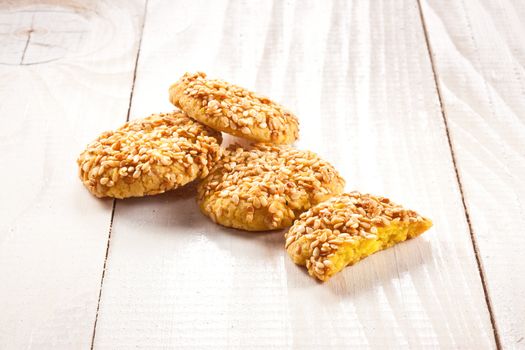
<point>479,57</point>
<point>66,70</point>
<point>359,77</point>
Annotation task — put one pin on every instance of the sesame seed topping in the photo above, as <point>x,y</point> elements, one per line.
<point>275,183</point>
<point>149,156</point>
<point>233,109</point>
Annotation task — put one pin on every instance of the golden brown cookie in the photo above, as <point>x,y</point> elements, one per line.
<point>265,187</point>
<point>149,156</point>
<point>234,110</point>
<point>347,228</point>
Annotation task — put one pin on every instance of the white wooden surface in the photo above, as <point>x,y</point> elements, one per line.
<point>361,79</point>
<point>479,54</point>
<point>66,73</point>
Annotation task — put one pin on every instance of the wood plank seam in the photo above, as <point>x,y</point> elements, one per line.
<point>137,60</point>
<point>103,272</point>
<point>458,178</point>
<point>114,200</point>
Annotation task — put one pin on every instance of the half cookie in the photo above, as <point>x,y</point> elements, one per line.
<point>234,110</point>
<point>149,156</point>
<point>266,187</point>
<point>348,228</point>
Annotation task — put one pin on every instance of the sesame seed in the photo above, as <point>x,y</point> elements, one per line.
<point>289,240</point>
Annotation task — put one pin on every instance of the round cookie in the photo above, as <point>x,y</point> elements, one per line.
<point>347,228</point>
<point>234,110</point>
<point>265,187</point>
<point>149,156</point>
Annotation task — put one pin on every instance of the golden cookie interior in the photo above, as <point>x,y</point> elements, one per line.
<point>149,156</point>
<point>234,110</point>
<point>346,229</point>
<point>265,187</point>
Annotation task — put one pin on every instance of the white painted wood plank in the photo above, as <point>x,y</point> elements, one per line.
<point>359,77</point>
<point>66,72</point>
<point>479,55</point>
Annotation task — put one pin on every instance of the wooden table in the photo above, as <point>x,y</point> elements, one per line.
<point>421,101</point>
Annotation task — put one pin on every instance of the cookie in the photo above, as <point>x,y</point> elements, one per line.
<point>234,110</point>
<point>149,156</point>
<point>265,187</point>
<point>346,229</point>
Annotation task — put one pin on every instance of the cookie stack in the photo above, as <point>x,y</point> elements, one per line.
<point>267,185</point>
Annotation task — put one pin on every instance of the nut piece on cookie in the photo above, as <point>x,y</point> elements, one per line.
<point>347,228</point>
<point>149,156</point>
<point>265,187</point>
<point>234,110</point>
